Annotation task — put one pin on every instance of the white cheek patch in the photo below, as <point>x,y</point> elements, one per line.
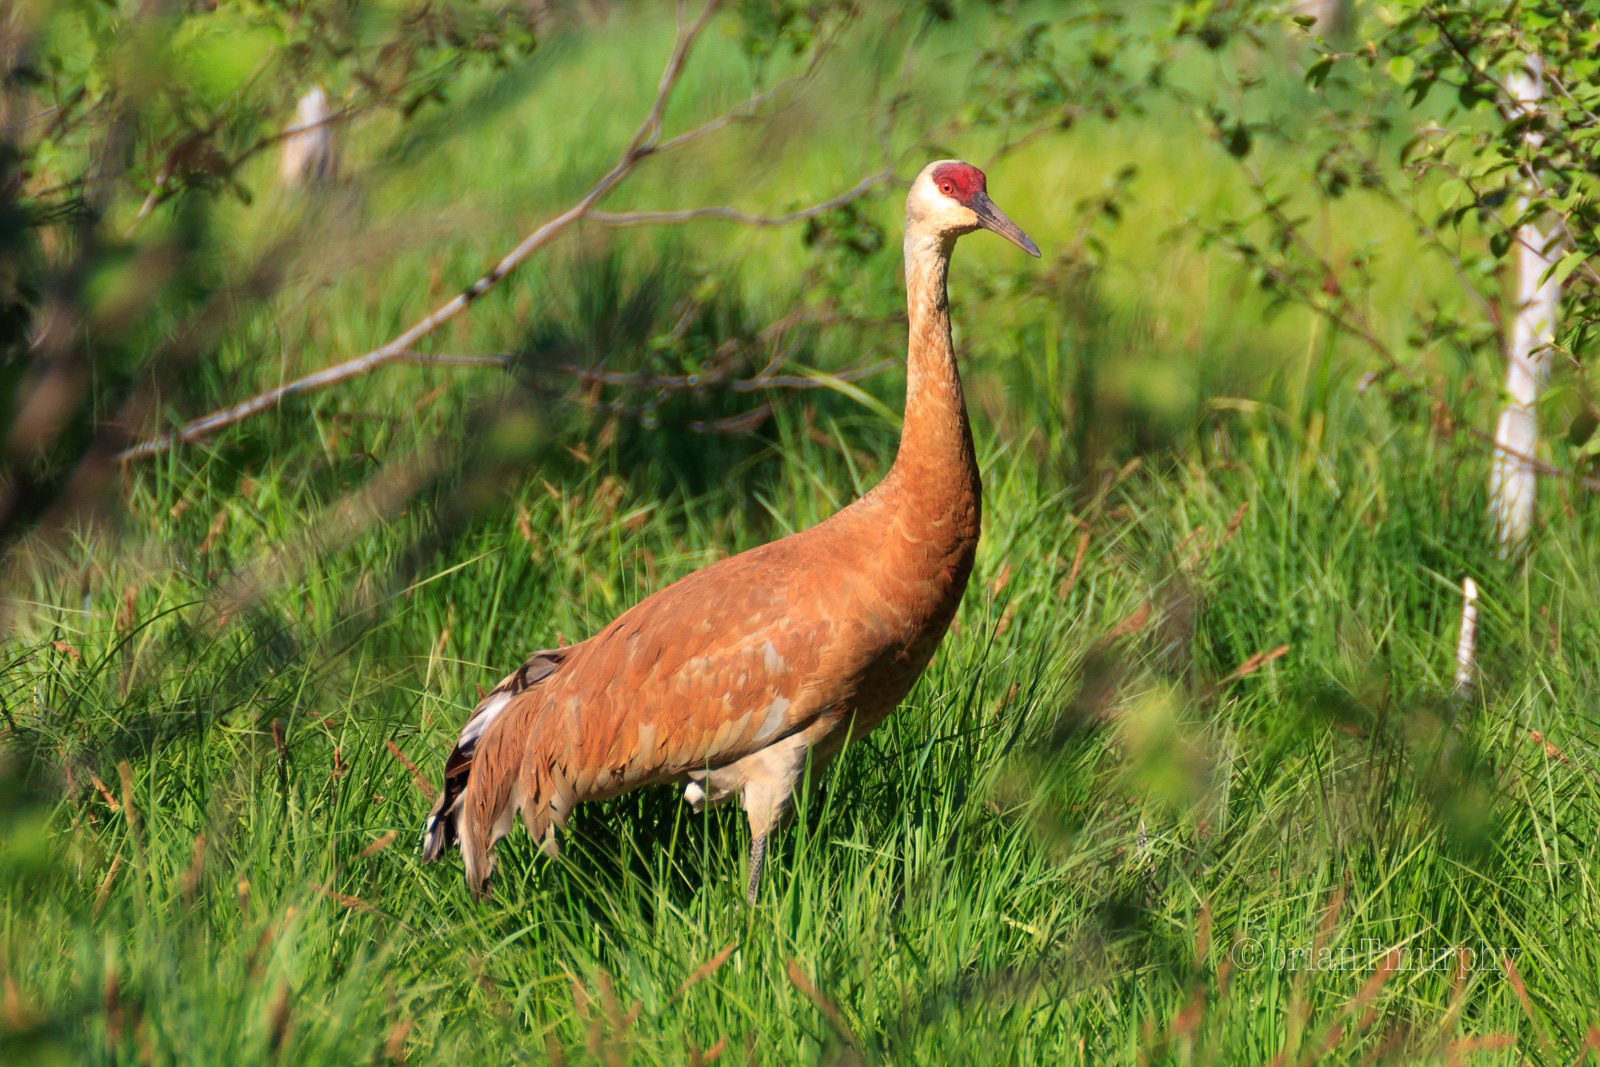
<point>924,199</point>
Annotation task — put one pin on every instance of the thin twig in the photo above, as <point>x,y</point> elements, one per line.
<point>163,191</point>
<point>686,382</point>
<point>399,351</point>
<point>732,214</point>
<point>748,422</point>
<point>424,359</point>
<point>759,382</point>
<point>1536,464</point>
<point>643,144</point>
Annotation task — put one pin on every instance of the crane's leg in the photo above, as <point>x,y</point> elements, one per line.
<point>769,781</point>
<point>758,853</point>
<point>765,803</point>
<point>764,782</point>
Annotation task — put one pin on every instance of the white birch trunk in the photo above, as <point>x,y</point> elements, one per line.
<point>1328,13</point>
<point>308,152</point>
<point>1513,481</point>
<point>1467,638</point>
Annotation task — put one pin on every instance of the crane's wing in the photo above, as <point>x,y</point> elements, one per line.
<point>437,834</point>
<point>723,663</point>
<point>713,668</point>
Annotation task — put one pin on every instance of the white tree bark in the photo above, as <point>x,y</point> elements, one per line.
<point>1330,14</point>
<point>308,153</point>
<point>1467,638</point>
<point>1513,480</point>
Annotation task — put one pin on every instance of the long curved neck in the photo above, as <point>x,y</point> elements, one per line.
<point>936,453</point>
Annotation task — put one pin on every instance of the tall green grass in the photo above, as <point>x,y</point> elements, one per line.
<point>1105,827</point>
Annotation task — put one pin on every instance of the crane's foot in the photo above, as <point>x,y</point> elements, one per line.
<point>758,853</point>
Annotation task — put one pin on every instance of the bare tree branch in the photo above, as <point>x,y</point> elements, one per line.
<point>790,381</point>
<point>732,214</point>
<point>735,424</point>
<point>643,145</point>
<point>743,112</point>
<point>427,359</point>
<point>683,383</point>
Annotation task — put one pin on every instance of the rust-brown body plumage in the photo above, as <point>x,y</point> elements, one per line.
<point>731,678</point>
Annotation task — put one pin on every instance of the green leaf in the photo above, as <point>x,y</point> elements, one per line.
<point>1563,267</point>
<point>1582,427</point>
<point>1401,68</point>
<point>1318,72</point>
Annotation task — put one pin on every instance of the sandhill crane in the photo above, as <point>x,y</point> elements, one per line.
<point>732,678</point>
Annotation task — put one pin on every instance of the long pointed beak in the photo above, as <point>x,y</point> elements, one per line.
<point>992,218</point>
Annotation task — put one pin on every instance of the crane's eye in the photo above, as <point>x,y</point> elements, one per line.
<point>945,187</point>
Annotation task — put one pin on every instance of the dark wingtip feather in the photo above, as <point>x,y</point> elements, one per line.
<point>432,839</point>
<point>439,831</point>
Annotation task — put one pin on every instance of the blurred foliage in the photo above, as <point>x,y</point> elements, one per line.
<point>1466,121</point>
<point>1201,686</point>
<point>123,122</point>
<point>161,101</point>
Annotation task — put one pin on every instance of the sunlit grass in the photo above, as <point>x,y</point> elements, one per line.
<point>1059,850</point>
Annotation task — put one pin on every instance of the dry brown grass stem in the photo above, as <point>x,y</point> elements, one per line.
<point>1521,990</point>
<point>104,892</point>
<point>824,1005</point>
<point>698,1058</point>
<point>356,904</point>
<point>424,786</point>
<point>380,844</point>
<point>197,865</point>
<point>1250,666</point>
<point>111,801</point>
<point>129,812</point>
<point>1071,580</point>
<point>278,1019</point>
<point>706,969</point>
<point>1133,623</point>
<point>394,1046</point>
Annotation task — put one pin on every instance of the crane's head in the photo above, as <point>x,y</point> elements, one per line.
<point>951,198</point>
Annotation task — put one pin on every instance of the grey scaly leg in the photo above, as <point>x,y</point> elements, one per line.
<point>768,780</point>
<point>758,853</point>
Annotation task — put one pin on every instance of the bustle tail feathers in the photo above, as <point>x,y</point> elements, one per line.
<point>451,821</point>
